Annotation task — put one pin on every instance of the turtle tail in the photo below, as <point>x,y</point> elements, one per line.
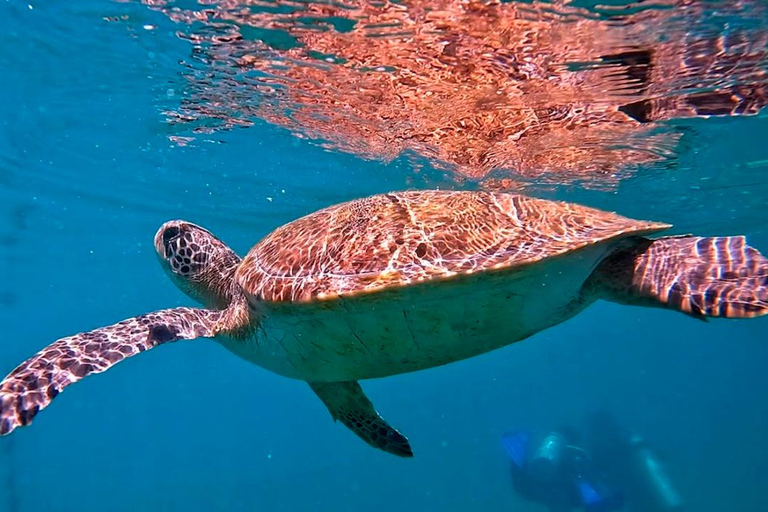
<point>700,276</point>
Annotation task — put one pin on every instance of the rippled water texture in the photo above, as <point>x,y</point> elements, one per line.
<point>501,93</point>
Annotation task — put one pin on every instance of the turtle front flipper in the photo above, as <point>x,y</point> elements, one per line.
<point>700,276</point>
<point>348,404</point>
<point>33,384</point>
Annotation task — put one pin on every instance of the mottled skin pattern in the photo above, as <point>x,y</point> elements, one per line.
<point>404,238</point>
<point>347,403</point>
<point>31,386</point>
<point>198,263</point>
<point>397,240</point>
<point>716,276</point>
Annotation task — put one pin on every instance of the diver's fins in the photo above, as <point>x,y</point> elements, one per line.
<point>516,446</point>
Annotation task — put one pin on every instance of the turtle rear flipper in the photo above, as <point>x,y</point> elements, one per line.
<point>35,382</point>
<point>348,404</point>
<point>701,276</point>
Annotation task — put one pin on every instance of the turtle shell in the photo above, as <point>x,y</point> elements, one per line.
<point>403,238</point>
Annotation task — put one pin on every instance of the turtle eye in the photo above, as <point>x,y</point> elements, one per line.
<point>170,233</point>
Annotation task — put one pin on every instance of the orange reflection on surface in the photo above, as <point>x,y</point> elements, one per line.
<point>506,92</point>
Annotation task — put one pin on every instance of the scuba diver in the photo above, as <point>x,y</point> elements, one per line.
<point>627,462</point>
<point>616,471</point>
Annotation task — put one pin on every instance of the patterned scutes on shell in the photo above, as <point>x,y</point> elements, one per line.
<point>404,238</point>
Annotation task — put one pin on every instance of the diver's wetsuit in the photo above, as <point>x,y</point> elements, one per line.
<point>559,494</point>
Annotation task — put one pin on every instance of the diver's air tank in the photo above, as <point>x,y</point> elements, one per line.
<point>547,458</point>
<point>654,477</point>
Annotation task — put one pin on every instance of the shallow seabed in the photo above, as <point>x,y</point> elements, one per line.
<point>93,160</point>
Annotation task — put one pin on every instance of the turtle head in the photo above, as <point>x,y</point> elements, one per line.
<point>200,264</point>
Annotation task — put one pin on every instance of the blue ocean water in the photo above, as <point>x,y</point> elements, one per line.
<point>88,173</point>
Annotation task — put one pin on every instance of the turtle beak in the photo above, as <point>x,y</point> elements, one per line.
<point>169,235</point>
<point>165,237</point>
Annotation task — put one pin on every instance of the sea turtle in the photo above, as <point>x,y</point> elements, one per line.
<point>400,282</point>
